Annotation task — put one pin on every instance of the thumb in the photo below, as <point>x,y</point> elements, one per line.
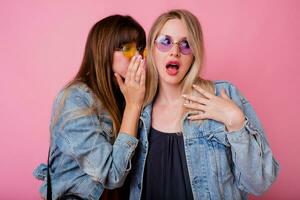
<point>224,95</point>
<point>120,81</point>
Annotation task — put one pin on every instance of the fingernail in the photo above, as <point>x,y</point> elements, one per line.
<point>184,95</point>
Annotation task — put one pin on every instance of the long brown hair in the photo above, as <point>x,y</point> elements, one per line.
<point>96,67</point>
<point>195,39</point>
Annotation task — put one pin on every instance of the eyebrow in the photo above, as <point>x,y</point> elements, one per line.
<point>183,38</point>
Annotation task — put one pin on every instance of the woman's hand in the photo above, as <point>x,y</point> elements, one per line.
<point>219,108</point>
<point>133,87</point>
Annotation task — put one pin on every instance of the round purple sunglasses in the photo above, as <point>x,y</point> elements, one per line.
<point>165,43</point>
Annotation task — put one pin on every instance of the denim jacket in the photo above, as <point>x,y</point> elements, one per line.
<point>84,159</point>
<point>221,165</point>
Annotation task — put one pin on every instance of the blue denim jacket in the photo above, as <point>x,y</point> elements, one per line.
<point>83,157</point>
<point>221,165</point>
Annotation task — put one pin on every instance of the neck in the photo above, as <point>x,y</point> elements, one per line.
<point>169,94</point>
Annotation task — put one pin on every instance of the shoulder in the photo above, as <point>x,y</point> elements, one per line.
<point>226,85</point>
<point>75,95</point>
<point>231,90</point>
<point>219,84</point>
<point>74,102</point>
<point>79,90</point>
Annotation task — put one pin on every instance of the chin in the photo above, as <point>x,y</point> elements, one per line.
<point>172,81</point>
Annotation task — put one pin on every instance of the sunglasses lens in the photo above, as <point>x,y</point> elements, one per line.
<point>129,50</point>
<point>185,47</point>
<point>164,43</point>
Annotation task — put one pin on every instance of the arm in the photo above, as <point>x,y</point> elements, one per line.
<point>255,168</point>
<point>133,89</point>
<point>83,138</point>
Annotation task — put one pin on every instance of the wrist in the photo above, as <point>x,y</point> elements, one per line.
<point>236,124</point>
<point>130,119</point>
<point>132,106</point>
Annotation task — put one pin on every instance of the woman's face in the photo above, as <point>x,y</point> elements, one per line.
<point>122,57</point>
<point>120,63</point>
<point>172,54</point>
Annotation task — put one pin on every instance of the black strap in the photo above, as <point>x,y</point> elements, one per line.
<point>49,188</point>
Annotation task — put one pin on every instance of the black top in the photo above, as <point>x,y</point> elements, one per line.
<point>166,174</point>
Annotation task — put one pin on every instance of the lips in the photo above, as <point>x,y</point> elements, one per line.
<point>172,67</point>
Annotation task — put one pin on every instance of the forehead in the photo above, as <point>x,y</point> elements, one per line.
<point>175,28</point>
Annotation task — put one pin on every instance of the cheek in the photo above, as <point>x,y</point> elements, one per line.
<point>188,62</point>
<point>120,65</point>
<point>158,59</point>
<point>122,69</point>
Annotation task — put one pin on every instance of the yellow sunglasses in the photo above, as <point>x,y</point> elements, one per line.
<point>130,49</point>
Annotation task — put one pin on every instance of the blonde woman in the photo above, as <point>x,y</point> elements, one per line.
<point>95,117</point>
<point>199,139</point>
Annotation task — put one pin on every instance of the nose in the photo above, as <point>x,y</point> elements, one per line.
<point>175,51</point>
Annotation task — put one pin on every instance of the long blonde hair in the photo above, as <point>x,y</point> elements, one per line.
<point>96,67</point>
<point>195,39</point>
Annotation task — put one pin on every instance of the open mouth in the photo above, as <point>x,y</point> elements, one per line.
<point>172,67</point>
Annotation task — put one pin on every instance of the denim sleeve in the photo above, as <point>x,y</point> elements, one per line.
<point>255,168</point>
<point>84,139</point>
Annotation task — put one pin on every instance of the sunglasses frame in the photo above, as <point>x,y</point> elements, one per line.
<point>129,49</point>
<point>168,47</point>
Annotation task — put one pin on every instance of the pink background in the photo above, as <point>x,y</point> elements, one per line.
<point>254,44</point>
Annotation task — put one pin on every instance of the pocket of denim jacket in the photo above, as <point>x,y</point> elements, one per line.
<point>220,150</point>
<point>221,161</point>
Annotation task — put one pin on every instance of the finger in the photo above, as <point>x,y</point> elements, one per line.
<point>139,72</point>
<point>143,77</point>
<point>195,106</point>
<point>198,116</point>
<point>195,112</point>
<point>137,54</point>
<point>203,92</point>
<point>129,69</point>
<point>195,99</point>
<point>135,68</point>
<point>223,94</point>
<point>120,81</point>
